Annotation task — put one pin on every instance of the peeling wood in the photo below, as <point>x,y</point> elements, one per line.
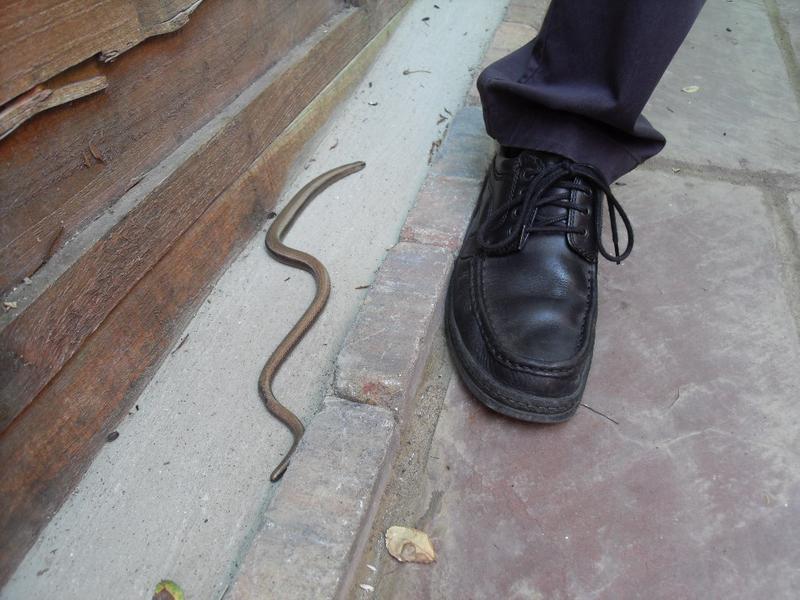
<point>157,96</point>
<point>41,41</point>
<point>40,99</point>
<point>168,26</point>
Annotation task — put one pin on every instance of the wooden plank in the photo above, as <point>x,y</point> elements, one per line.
<point>48,448</point>
<point>40,99</point>
<point>41,38</point>
<point>37,343</point>
<point>158,95</point>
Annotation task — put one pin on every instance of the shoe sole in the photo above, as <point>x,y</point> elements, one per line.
<point>488,396</point>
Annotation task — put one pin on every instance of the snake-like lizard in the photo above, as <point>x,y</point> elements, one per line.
<point>305,261</point>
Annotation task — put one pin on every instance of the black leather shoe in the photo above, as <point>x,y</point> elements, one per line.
<point>522,300</point>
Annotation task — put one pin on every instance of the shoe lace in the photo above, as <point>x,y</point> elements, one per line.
<point>569,176</point>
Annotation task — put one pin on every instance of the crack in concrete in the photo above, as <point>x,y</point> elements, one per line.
<point>762,179</point>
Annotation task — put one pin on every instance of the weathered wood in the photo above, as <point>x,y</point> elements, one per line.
<point>161,92</point>
<point>40,99</point>
<point>74,305</point>
<point>41,38</point>
<point>43,336</point>
<point>47,449</point>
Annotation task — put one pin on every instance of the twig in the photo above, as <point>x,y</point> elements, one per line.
<point>180,345</point>
<point>597,412</point>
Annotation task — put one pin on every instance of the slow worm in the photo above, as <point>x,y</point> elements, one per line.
<point>307,262</point>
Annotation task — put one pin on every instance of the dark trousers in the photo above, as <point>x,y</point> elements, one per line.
<point>578,89</point>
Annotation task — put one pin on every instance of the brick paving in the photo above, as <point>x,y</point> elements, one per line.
<point>309,532</point>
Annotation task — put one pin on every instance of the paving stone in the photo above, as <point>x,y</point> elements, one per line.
<point>442,212</point>
<point>312,525</point>
<point>467,149</point>
<point>509,37</point>
<point>529,12</point>
<point>694,490</point>
<point>386,348</point>
<point>745,114</point>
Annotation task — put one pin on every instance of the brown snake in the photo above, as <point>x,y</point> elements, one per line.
<point>305,261</point>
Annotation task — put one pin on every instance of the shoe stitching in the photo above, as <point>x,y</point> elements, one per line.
<point>520,404</point>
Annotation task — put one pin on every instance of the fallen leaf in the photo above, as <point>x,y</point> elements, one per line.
<point>372,568</point>
<point>691,89</point>
<point>9,305</point>
<point>409,545</point>
<point>366,587</point>
<point>676,170</point>
<point>168,590</point>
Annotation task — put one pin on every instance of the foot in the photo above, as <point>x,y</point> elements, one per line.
<point>522,301</point>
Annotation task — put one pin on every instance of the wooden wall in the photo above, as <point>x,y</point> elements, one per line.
<point>119,210</point>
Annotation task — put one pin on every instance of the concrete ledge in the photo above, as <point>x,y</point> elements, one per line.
<point>385,349</point>
<point>467,150</point>
<point>311,528</point>
<point>442,213</point>
<point>380,359</point>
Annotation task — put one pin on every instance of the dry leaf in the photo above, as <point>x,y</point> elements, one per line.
<point>9,305</point>
<point>366,587</point>
<point>691,89</point>
<point>409,545</point>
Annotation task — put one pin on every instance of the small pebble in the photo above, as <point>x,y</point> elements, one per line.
<point>112,436</point>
